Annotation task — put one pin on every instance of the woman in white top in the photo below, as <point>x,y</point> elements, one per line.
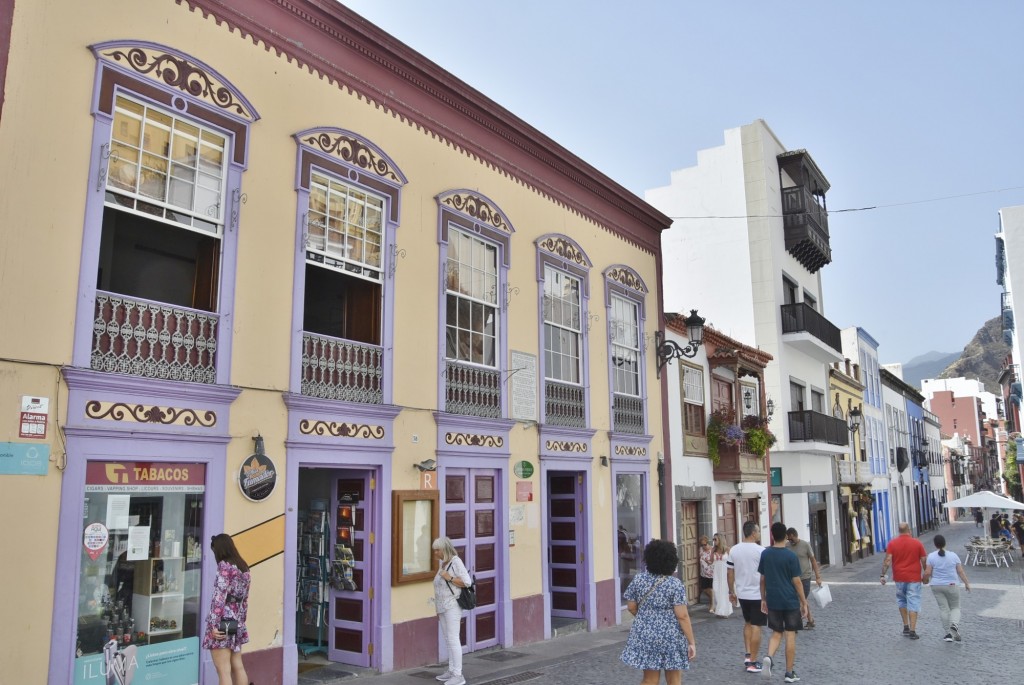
<point>942,571</point>
<point>451,577</point>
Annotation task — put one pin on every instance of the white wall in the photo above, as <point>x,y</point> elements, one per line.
<point>962,387</point>
<point>1011,222</point>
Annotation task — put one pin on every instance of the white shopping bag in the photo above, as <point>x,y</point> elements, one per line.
<point>822,595</point>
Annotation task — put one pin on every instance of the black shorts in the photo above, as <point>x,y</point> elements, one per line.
<point>752,612</point>
<point>785,621</point>
<point>706,583</point>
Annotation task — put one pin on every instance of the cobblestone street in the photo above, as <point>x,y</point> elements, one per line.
<point>858,639</point>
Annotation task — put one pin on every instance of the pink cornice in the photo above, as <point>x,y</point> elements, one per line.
<point>341,46</point>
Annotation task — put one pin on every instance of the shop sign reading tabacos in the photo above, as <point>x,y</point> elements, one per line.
<point>257,477</point>
<point>136,476</point>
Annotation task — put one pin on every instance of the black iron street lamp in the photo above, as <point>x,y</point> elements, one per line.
<point>667,350</point>
<point>855,419</point>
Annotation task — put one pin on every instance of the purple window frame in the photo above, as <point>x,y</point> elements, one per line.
<point>482,225</point>
<point>308,160</point>
<point>582,272</point>
<point>111,80</point>
<point>638,296</point>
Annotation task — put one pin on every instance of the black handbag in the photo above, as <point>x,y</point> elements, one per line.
<point>228,626</point>
<point>467,598</point>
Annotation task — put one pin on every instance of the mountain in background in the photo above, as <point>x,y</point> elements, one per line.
<point>983,358</point>
<point>928,365</point>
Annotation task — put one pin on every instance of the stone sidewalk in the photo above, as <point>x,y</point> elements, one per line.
<point>857,640</point>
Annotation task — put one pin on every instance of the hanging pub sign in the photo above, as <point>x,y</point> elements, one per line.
<point>257,478</point>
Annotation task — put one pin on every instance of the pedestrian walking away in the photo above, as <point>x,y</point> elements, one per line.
<point>745,586</point>
<point>808,567</point>
<point>451,577</point>
<point>661,637</point>
<point>907,557</point>
<point>782,599</point>
<point>942,570</point>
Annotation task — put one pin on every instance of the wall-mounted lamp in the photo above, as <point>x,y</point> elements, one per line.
<point>667,350</point>
<point>604,460</point>
<point>426,465</point>
<point>771,408</point>
<point>748,399</point>
<point>855,417</point>
<point>259,449</point>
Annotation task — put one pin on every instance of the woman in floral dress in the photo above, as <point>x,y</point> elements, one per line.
<point>661,638</point>
<point>230,602</point>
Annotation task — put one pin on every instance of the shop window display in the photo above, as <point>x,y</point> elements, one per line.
<point>141,572</point>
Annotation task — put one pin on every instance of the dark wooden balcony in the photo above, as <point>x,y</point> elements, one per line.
<point>812,426</point>
<point>806,228</point>
<point>736,463</point>
<point>802,318</point>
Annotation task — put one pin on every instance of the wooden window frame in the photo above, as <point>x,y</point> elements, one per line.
<point>399,534</point>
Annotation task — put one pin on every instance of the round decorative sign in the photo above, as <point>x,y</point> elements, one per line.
<point>95,539</point>
<point>257,478</point>
<point>523,469</point>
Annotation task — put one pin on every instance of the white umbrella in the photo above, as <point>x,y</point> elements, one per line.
<point>986,499</point>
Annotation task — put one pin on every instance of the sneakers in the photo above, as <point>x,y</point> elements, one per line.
<point>766,667</point>
<point>914,636</point>
<point>455,680</point>
<point>809,625</point>
<point>444,676</point>
<point>906,631</point>
<point>947,638</point>
<point>954,631</point>
<point>792,677</point>
<point>753,667</point>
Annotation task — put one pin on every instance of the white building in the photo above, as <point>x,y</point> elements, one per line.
<point>747,246</point>
<point>1010,270</point>
<point>962,387</point>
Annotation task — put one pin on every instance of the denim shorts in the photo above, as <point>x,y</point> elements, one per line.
<point>908,596</point>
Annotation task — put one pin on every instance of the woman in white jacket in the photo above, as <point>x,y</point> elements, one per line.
<point>451,577</point>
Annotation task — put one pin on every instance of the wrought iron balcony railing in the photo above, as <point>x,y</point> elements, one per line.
<point>337,369</point>
<point>472,390</point>
<point>565,404</point>
<point>812,426</point>
<point>801,317</point>
<point>627,414</point>
<point>154,340</point>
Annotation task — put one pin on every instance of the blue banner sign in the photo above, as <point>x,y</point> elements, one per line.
<point>24,459</point>
<point>166,662</point>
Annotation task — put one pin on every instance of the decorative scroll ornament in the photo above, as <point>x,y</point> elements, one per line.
<point>354,151</point>
<point>467,439</point>
<point>565,249</point>
<point>180,73</point>
<point>479,209</point>
<point>341,430</point>
<point>628,278</point>
<point>149,413</point>
<point>565,446</point>
<point>622,450</point>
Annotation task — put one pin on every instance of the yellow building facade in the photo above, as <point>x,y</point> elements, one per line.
<point>298,284</point>
<point>846,393</point>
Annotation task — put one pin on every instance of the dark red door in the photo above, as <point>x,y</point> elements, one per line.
<point>470,521</point>
<point>351,615</point>
<point>566,538</point>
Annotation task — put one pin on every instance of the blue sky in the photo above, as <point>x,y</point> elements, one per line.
<point>898,102</point>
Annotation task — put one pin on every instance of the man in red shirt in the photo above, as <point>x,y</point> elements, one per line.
<point>908,558</point>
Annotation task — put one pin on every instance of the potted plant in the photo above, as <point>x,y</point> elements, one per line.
<point>722,431</point>
<point>758,436</point>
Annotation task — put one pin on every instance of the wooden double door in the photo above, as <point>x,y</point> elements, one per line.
<point>471,521</point>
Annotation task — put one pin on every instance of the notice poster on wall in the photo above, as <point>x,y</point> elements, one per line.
<point>523,398</point>
<point>138,543</point>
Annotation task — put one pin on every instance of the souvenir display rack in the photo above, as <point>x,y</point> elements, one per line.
<point>312,576</point>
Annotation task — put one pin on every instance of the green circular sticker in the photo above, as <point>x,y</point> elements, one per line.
<point>523,469</point>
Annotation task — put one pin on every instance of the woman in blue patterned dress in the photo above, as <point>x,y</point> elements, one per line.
<point>661,638</point>
<point>230,601</point>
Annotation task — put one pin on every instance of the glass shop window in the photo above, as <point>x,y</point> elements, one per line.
<point>141,573</point>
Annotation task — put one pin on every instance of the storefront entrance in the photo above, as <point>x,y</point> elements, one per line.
<point>334,564</point>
